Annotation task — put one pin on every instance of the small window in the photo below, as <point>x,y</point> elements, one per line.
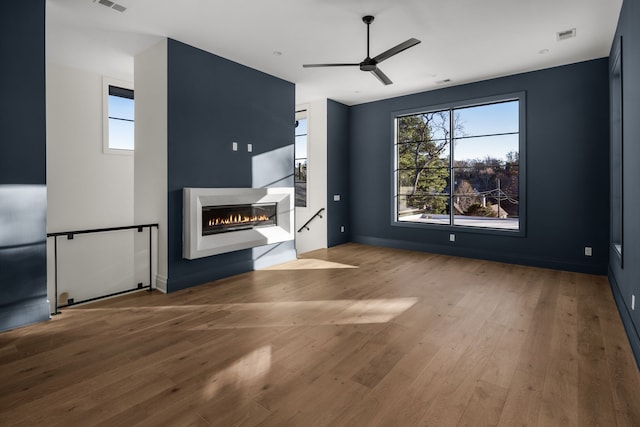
<point>300,164</point>
<point>459,165</point>
<point>119,117</point>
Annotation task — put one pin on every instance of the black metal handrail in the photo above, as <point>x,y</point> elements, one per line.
<point>100,230</point>
<point>70,234</point>
<point>311,219</point>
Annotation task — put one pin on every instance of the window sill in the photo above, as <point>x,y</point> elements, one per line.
<point>507,232</point>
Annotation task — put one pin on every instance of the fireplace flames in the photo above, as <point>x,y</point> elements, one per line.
<point>237,219</point>
<point>223,219</point>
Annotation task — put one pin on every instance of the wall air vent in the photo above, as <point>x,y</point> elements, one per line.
<point>567,34</point>
<point>111,5</point>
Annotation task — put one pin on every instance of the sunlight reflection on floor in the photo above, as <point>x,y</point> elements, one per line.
<point>310,313</point>
<point>279,313</point>
<point>242,374</point>
<point>309,264</point>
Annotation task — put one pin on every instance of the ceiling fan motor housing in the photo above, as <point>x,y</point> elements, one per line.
<point>368,65</point>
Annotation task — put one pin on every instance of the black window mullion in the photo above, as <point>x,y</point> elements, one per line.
<point>487,135</point>
<point>121,119</point>
<point>451,168</point>
<point>397,173</point>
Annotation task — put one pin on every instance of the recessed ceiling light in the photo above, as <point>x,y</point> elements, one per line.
<point>277,53</point>
<point>566,34</point>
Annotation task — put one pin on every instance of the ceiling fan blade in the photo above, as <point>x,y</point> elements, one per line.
<point>381,76</point>
<point>396,50</point>
<point>329,65</point>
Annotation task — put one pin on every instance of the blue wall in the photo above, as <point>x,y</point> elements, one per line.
<point>213,102</point>
<point>337,172</point>
<point>22,108</point>
<point>23,197</point>
<point>626,281</point>
<point>567,119</point>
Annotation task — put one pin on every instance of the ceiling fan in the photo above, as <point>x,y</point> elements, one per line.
<point>371,64</point>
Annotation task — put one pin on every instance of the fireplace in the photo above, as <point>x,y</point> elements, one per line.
<point>224,219</point>
<point>219,220</point>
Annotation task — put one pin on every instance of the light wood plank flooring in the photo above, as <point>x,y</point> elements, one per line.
<point>351,336</point>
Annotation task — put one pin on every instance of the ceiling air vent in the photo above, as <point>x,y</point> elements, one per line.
<point>111,5</point>
<point>567,34</point>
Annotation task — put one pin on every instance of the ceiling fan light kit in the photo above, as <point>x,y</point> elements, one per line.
<point>371,64</point>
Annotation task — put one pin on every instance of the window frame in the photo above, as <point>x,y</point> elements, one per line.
<point>616,154</point>
<point>302,113</point>
<point>474,102</point>
<point>106,149</point>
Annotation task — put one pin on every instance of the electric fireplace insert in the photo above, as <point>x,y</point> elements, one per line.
<point>223,219</point>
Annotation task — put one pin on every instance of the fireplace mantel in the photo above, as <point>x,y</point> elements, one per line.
<point>195,245</point>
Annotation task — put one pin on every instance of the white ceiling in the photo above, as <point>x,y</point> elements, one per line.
<point>462,40</point>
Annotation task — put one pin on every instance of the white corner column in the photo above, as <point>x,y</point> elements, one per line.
<point>150,171</point>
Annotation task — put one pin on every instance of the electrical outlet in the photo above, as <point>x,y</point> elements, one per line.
<point>336,197</point>
<point>633,302</point>
<point>249,148</point>
<point>234,146</point>
<point>452,237</point>
<point>588,251</point>
<point>342,228</point>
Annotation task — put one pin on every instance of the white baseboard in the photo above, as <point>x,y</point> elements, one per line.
<point>161,283</point>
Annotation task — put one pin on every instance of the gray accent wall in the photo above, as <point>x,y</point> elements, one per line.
<point>213,102</point>
<point>625,278</point>
<point>337,173</point>
<point>567,178</point>
<point>23,197</point>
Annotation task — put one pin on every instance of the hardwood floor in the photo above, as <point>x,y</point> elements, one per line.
<point>351,336</point>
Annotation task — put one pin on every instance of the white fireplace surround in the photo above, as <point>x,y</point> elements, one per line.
<point>195,245</point>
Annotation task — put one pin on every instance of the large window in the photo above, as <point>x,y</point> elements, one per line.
<point>300,172</point>
<point>118,113</point>
<point>460,165</point>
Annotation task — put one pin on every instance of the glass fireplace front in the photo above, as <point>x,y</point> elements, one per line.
<point>223,219</point>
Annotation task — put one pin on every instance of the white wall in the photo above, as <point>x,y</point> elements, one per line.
<point>151,148</point>
<point>316,236</point>
<point>86,189</point>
